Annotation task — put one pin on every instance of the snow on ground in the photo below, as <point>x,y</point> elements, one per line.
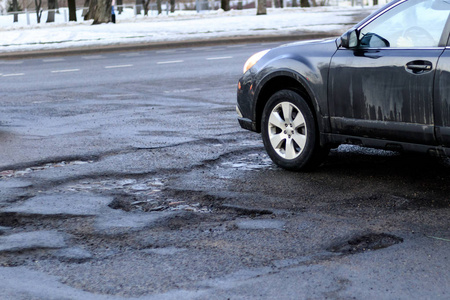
<point>131,29</point>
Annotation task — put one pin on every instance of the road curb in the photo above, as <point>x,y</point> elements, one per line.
<point>166,45</point>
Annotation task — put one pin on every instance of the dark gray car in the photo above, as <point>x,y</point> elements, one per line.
<point>384,84</point>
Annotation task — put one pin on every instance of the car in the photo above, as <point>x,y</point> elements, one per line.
<point>384,84</point>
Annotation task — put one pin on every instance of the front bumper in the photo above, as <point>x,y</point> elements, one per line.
<point>247,124</point>
<point>246,102</point>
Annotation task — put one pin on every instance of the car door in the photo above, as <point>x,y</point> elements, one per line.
<point>442,99</point>
<point>384,87</point>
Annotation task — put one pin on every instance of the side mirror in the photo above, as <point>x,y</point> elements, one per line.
<point>350,39</point>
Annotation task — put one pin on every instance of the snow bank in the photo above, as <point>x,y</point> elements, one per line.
<point>174,27</point>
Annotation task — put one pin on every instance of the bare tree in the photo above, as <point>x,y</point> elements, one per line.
<point>225,5</point>
<point>14,7</point>
<point>158,6</point>
<point>38,4</point>
<point>100,11</point>
<point>139,4</point>
<point>51,11</point>
<point>305,3</point>
<point>145,4</point>
<point>85,10</point>
<point>72,10</point>
<point>262,9</point>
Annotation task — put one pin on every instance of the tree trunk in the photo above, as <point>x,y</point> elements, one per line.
<point>100,11</point>
<point>304,3</point>
<point>15,6</point>
<point>119,6</point>
<point>85,12</point>
<point>38,4</point>
<point>158,6</point>
<point>139,4</point>
<point>294,3</point>
<point>172,6</point>
<point>262,10</point>
<point>225,5</point>
<point>51,11</point>
<point>72,10</point>
<point>145,6</point>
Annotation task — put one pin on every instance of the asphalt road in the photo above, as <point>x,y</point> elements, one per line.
<point>126,175</point>
<point>99,87</point>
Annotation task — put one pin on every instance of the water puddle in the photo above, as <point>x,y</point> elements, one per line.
<point>128,186</point>
<point>22,172</point>
<point>250,162</point>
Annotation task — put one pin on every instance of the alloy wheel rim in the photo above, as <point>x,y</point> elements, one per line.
<point>287,130</point>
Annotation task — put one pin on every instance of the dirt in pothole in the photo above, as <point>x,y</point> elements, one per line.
<point>367,242</point>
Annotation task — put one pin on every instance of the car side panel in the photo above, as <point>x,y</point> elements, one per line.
<point>373,94</point>
<point>442,99</point>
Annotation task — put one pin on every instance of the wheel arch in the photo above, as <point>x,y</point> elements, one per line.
<point>284,81</point>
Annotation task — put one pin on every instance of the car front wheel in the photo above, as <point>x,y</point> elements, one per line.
<point>289,132</point>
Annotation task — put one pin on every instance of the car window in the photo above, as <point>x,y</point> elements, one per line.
<point>415,23</point>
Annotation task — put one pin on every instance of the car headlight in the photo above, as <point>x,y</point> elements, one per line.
<point>254,59</point>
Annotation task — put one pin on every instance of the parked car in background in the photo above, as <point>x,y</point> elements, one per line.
<point>383,84</point>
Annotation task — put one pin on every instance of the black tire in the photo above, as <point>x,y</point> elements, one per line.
<point>289,132</point>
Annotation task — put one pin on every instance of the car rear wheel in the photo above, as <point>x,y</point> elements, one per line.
<point>289,132</point>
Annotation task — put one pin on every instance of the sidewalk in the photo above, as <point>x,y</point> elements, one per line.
<point>179,30</point>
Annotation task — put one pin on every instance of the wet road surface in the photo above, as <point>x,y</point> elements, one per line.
<point>130,178</point>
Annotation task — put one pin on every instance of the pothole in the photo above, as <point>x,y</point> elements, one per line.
<point>22,172</point>
<point>261,224</point>
<point>145,195</point>
<point>150,188</point>
<point>365,243</point>
<point>162,199</point>
<point>248,211</point>
<point>250,162</point>
<point>130,203</point>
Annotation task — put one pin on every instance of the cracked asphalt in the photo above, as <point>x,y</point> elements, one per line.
<point>139,184</point>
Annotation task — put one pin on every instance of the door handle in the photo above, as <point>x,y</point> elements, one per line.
<point>419,66</point>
